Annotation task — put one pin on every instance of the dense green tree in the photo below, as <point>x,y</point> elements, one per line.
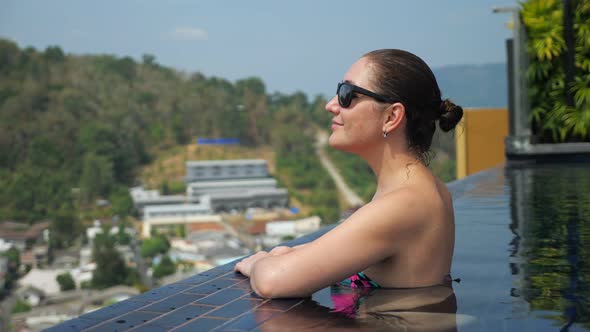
<point>54,54</point>
<point>66,282</point>
<point>110,267</point>
<point>121,202</point>
<point>122,238</point>
<point>65,228</point>
<point>97,177</point>
<point>154,245</point>
<point>165,268</point>
<point>13,257</point>
<point>149,59</point>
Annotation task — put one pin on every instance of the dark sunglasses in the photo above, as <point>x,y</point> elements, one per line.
<point>346,91</point>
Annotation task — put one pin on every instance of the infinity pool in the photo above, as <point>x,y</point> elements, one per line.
<point>523,248</point>
<point>522,255</point>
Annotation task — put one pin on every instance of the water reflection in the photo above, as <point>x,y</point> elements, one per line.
<point>550,254</point>
<point>345,309</point>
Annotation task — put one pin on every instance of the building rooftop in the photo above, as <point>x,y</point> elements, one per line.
<point>175,208</point>
<point>10,230</point>
<point>44,280</point>
<point>226,162</point>
<point>163,199</point>
<point>234,182</point>
<point>248,193</point>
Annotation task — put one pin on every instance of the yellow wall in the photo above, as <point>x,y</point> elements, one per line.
<point>479,139</point>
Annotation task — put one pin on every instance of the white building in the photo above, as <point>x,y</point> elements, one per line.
<point>208,170</point>
<point>277,230</point>
<point>45,280</point>
<point>177,211</point>
<point>213,186</point>
<point>141,193</point>
<point>293,227</point>
<point>241,200</point>
<point>93,231</point>
<point>142,198</point>
<point>196,189</point>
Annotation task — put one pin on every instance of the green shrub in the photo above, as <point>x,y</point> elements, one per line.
<point>66,282</point>
<point>552,119</point>
<point>165,268</point>
<point>20,306</point>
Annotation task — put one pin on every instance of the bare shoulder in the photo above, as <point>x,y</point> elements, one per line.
<point>408,204</point>
<point>390,219</point>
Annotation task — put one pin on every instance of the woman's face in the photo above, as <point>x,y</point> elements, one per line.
<point>360,125</point>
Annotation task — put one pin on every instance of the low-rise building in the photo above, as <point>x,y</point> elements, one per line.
<point>241,200</point>
<point>142,198</point>
<point>207,170</point>
<point>214,186</point>
<point>24,236</point>
<point>293,227</point>
<point>187,221</point>
<point>196,189</point>
<point>45,280</point>
<point>35,257</point>
<point>272,233</point>
<point>217,246</point>
<point>177,211</point>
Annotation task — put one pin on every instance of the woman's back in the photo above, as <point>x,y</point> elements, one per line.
<point>425,260</point>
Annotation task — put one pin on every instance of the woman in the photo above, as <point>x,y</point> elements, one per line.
<point>384,111</point>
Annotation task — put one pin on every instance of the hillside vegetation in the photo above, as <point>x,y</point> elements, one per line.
<point>74,129</point>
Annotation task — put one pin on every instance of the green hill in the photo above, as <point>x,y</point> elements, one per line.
<point>74,129</point>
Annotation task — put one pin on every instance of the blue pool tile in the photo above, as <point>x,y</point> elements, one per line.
<point>200,324</point>
<point>222,297</point>
<point>233,309</point>
<point>125,322</point>
<point>115,310</point>
<point>197,279</point>
<point>280,304</point>
<point>215,273</point>
<point>234,275</point>
<point>226,267</point>
<point>212,286</point>
<point>174,318</point>
<point>173,302</point>
<point>162,292</point>
<point>254,296</point>
<point>250,320</point>
<point>245,284</point>
<point>74,325</point>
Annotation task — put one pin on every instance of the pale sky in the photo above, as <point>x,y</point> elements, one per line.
<point>292,45</point>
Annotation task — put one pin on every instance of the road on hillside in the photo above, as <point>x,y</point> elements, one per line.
<point>350,196</point>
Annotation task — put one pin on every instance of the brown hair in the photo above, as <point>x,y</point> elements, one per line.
<point>402,76</point>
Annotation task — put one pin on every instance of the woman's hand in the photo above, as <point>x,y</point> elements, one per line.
<point>245,265</point>
<point>280,250</point>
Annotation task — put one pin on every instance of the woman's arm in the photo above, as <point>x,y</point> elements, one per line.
<point>371,234</point>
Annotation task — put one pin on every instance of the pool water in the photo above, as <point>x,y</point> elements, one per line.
<point>522,254</point>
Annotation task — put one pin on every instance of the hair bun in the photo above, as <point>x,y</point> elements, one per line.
<point>449,115</point>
